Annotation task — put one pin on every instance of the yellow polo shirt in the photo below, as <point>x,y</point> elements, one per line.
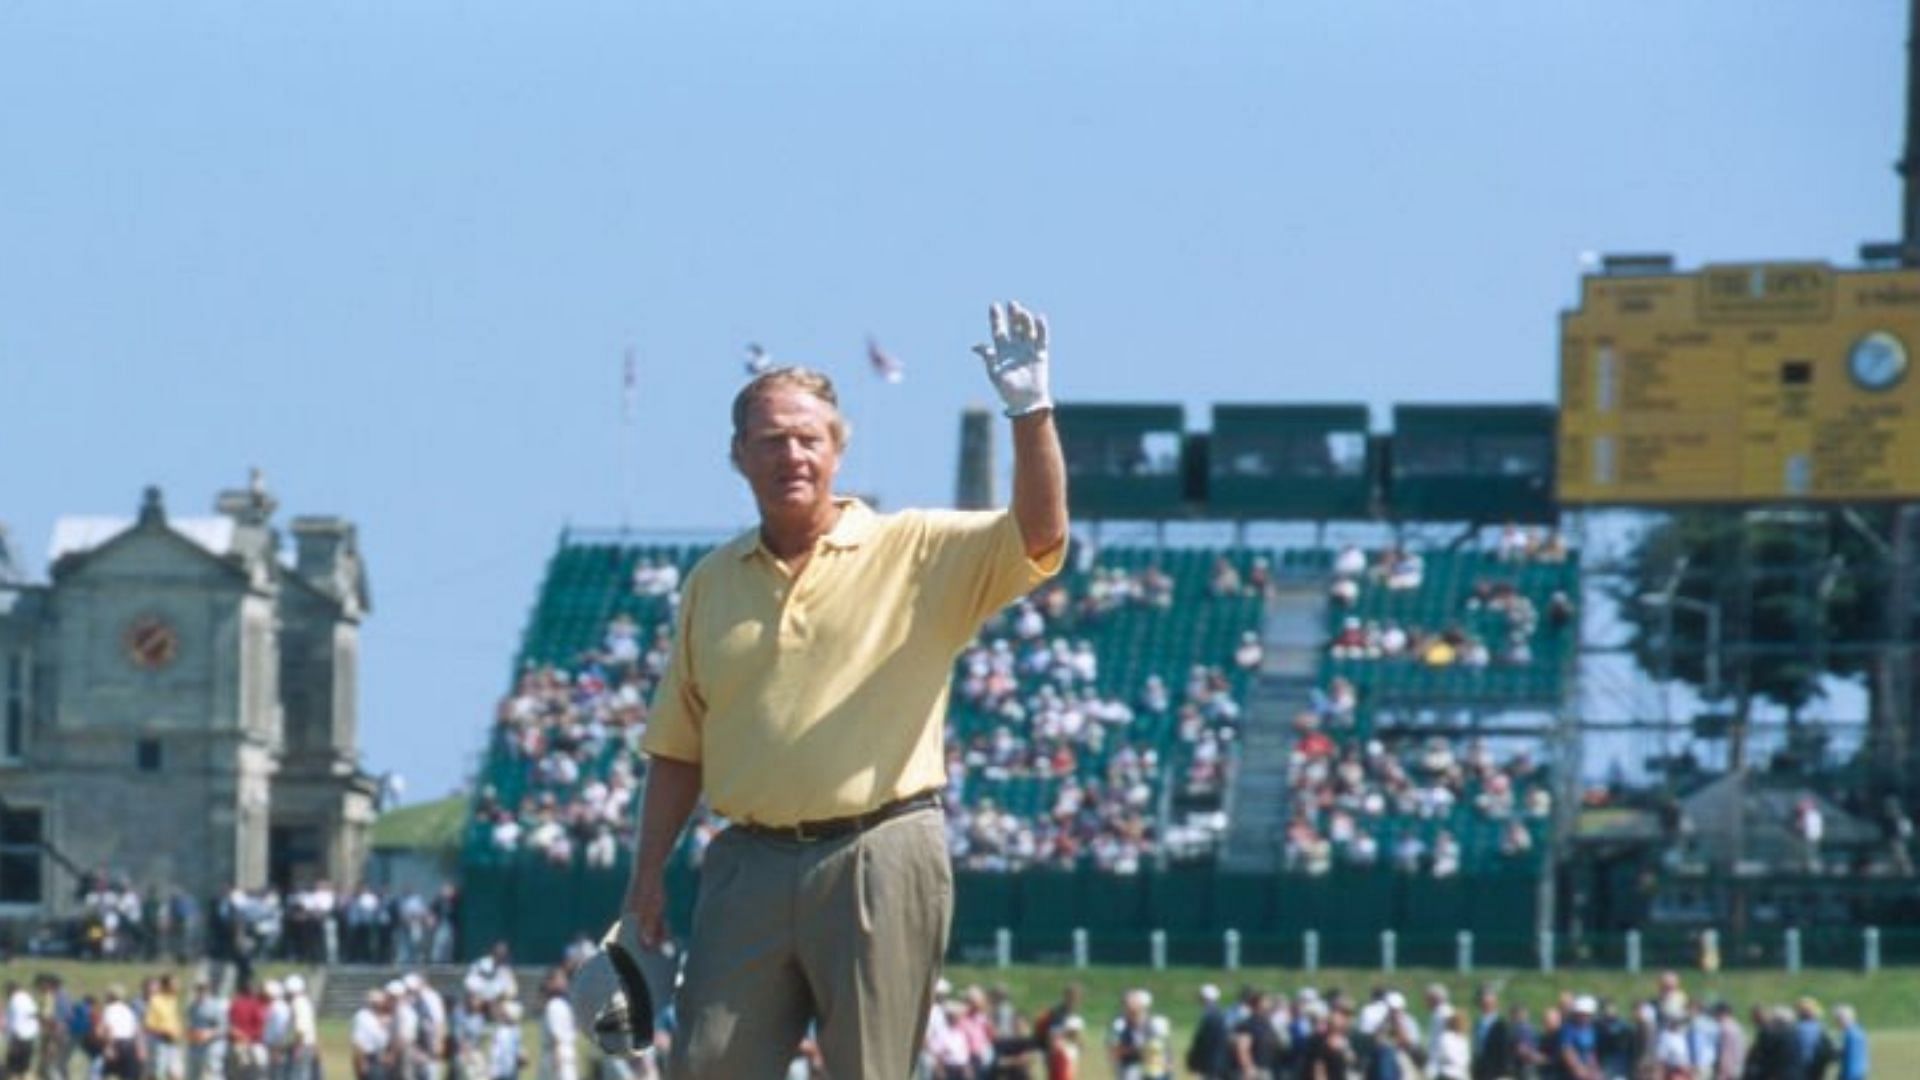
<point>809,698</point>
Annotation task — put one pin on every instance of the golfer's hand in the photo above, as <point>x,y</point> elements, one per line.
<point>647,907</point>
<point>1017,358</point>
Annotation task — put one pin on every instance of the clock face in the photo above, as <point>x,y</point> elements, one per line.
<point>151,642</point>
<point>1878,361</point>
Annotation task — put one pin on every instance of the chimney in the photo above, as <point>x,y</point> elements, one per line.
<point>325,554</point>
<point>153,510</point>
<point>974,488</point>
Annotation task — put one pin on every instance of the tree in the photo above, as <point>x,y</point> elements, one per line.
<point>1799,596</point>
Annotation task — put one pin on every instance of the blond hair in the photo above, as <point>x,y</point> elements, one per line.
<point>803,379</point>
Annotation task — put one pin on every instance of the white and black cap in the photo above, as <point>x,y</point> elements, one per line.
<point>618,989</point>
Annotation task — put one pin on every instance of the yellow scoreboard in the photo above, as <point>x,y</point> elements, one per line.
<point>1775,382</point>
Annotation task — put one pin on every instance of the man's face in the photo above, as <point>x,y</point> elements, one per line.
<point>787,451</point>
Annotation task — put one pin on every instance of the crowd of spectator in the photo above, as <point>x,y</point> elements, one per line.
<point>1328,1033</point>
<point>317,924</point>
<point>119,921</point>
<point>1495,623</point>
<point>406,1029</point>
<point>1225,579</point>
<point>1520,544</point>
<point>155,1035</point>
<point>1363,805</point>
<point>1418,806</point>
<point>313,923</point>
<point>573,739</point>
<point>1030,693</point>
<point>1034,707</point>
<point>1669,1035</point>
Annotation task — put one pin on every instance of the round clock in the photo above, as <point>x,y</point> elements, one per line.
<point>151,642</point>
<point>1878,361</point>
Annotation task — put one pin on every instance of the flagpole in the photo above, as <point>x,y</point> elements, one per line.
<point>628,451</point>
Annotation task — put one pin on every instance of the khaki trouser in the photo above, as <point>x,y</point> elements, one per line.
<point>848,933</point>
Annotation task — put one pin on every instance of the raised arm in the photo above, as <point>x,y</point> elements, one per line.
<point>1039,483</point>
<point>1017,362</point>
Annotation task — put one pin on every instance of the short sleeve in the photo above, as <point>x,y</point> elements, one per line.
<point>976,564</point>
<point>673,729</point>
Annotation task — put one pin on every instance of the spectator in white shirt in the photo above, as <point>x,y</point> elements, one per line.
<point>557,1033</point>
<point>1351,562</point>
<point>655,579</point>
<point>1452,1052</point>
<point>123,1055</point>
<point>303,1051</point>
<point>406,1027</point>
<point>947,1041</point>
<point>23,1030</point>
<point>372,1038</point>
<point>1811,824</point>
<point>603,849</point>
<point>1439,1016</point>
<point>505,1058</point>
<point>325,903</point>
<point>278,1033</point>
<point>1514,543</point>
<point>432,1038</point>
<point>502,985</point>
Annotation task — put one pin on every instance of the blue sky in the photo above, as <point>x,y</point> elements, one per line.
<point>392,254</point>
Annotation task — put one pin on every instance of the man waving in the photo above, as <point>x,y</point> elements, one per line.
<point>806,699</point>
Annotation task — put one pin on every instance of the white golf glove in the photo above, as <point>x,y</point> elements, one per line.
<point>1017,358</point>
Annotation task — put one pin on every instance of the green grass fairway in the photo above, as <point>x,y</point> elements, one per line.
<point>1889,1002</point>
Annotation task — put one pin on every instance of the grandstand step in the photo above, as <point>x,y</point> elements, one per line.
<point>342,989</point>
<point>1294,630</point>
<point>1293,633</point>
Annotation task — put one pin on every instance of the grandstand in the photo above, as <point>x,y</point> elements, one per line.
<point>589,604</point>
<point>1242,724</point>
<point>1097,727</point>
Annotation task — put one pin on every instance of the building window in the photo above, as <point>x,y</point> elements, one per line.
<point>20,855</point>
<point>13,723</point>
<point>147,755</point>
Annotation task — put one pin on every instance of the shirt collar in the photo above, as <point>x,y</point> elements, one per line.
<point>856,524</point>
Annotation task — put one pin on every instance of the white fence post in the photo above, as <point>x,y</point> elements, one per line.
<point>1463,952</point>
<point>1793,949</point>
<point>1157,943</point>
<point>1389,950</point>
<point>1633,952</point>
<point>1310,950</point>
<point>1003,948</point>
<point>1870,949</point>
<point>1232,946</point>
<point>1546,952</point>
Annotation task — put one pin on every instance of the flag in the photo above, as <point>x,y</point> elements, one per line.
<point>884,365</point>
<point>758,359</point>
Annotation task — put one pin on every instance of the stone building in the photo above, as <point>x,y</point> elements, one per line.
<point>180,705</point>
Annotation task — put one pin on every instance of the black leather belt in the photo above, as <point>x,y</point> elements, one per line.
<point>835,828</point>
